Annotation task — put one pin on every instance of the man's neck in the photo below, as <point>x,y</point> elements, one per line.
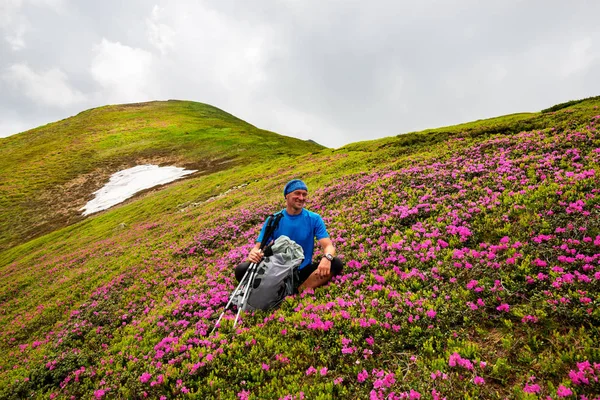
<point>293,211</point>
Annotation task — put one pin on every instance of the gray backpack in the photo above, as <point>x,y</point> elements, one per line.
<point>276,276</point>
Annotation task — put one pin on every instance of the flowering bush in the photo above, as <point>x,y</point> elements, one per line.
<point>470,265</point>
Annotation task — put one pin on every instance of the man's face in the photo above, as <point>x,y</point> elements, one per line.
<point>296,199</point>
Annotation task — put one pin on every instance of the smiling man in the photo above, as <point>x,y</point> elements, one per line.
<point>303,227</point>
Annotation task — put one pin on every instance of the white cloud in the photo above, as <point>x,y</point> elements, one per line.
<point>49,88</point>
<point>223,59</point>
<point>124,73</point>
<point>160,35</point>
<point>332,71</point>
<point>300,125</point>
<point>498,72</point>
<point>57,5</point>
<point>11,126</point>
<point>14,25</point>
<point>8,10</point>
<point>220,50</point>
<point>16,36</point>
<point>580,56</point>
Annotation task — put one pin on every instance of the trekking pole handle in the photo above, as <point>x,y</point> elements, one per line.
<point>272,223</point>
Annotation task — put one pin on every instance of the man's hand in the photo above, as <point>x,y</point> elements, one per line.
<point>255,255</point>
<point>324,268</point>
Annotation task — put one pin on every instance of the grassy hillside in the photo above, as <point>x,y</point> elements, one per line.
<point>49,173</point>
<point>472,271</point>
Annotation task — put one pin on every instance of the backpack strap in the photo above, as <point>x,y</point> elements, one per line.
<point>272,225</point>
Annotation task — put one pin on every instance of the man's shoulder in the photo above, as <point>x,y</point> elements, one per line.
<point>311,214</point>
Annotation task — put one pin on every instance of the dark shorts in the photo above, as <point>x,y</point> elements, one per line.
<point>336,269</point>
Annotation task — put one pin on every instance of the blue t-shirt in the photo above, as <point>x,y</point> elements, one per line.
<point>302,229</point>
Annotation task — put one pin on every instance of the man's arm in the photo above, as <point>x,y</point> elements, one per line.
<point>324,268</point>
<point>256,254</point>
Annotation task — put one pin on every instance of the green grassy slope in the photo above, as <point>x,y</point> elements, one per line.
<point>48,173</point>
<point>445,234</point>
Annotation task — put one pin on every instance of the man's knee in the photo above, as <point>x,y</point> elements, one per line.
<point>240,270</point>
<point>313,281</point>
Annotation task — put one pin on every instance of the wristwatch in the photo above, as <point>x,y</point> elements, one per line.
<point>329,257</point>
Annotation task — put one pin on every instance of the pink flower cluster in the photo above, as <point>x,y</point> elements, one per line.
<point>585,374</point>
<point>456,360</point>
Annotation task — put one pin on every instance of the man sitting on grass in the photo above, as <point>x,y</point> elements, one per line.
<point>302,226</point>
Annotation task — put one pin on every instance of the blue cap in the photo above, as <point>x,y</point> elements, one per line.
<point>294,184</point>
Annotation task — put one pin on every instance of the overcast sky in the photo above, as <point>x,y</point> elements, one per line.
<point>333,71</point>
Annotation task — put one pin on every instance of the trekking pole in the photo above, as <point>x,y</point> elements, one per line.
<point>272,224</point>
<point>234,294</point>
<point>242,306</point>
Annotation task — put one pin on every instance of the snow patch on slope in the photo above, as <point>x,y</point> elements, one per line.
<point>124,184</point>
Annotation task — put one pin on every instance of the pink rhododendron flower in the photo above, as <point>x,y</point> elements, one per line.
<point>472,284</point>
<point>145,377</point>
<point>563,391</point>
<point>531,388</point>
<point>243,395</point>
<point>529,318</point>
<point>362,376</point>
<point>503,307</point>
<point>453,359</point>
